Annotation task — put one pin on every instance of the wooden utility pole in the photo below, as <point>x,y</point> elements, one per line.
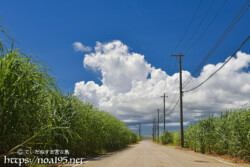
<point>140,129</point>
<point>181,106</point>
<point>158,122</point>
<point>154,129</point>
<point>164,111</point>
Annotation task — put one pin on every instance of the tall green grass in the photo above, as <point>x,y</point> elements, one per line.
<point>35,114</point>
<point>227,134</point>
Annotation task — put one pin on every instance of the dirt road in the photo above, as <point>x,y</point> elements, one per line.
<point>148,154</point>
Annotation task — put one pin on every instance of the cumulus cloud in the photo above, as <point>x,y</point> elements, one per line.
<point>131,87</point>
<point>79,47</point>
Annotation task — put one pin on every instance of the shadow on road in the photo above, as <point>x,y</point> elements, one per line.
<point>106,155</point>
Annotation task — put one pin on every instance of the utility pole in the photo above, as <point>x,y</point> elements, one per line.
<point>164,111</point>
<point>158,110</point>
<point>181,106</point>
<point>154,129</point>
<point>140,129</point>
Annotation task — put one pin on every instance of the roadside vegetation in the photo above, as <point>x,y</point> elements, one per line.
<point>36,115</point>
<point>227,134</point>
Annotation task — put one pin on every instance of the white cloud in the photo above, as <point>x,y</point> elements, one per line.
<point>79,47</point>
<point>128,93</point>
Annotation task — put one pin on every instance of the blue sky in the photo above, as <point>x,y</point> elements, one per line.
<point>48,29</point>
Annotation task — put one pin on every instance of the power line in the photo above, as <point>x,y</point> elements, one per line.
<point>229,28</point>
<point>222,37</point>
<point>209,24</point>
<point>235,20</point>
<point>192,20</point>
<point>161,117</point>
<point>174,107</point>
<point>219,67</point>
<point>176,93</point>
<point>197,29</point>
<point>172,102</point>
